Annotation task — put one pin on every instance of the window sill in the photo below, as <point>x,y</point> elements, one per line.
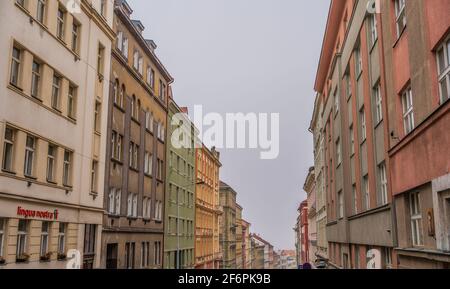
<point>372,46</point>
<point>134,169</point>
<point>399,37</point>
<point>52,182</point>
<point>9,172</point>
<point>119,107</point>
<point>378,124</point>
<point>116,161</point>
<point>135,120</point>
<point>30,177</point>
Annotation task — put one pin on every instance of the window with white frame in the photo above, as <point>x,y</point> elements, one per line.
<point>29,156</point>
<point>15,66</point>
<point>378,103</point>
<point>35,79</point>
<point>56,91</point>
<point>443,63</point>
<point>358,60</point>
<point>340,205</point>
<point>408,111</point>
<point>416,219</point>
<point>51,160</point>
<point>352,140</point>
<point>338,152</point>
<point>132,205</point>
<point>373,28</point>
<point>44,238</point>
<point>40,10</point>
<point>383,184</point>
<point>148,163</point>
<point>75,35</point>
<point>71,102</point>
<point>114,201</point>
<point>147,207</point>
<point>94,177</point>
<point>145,254</point>
<point>103,8</point>
<point>60,23</point>
<point>157,254</point>
<point>62,231</point>
<point>366,192</point>
<point>355,200</point>
<point>136,60</point>
<point>400,16</point>
<point>67,168</point>
<point>348,82</point>
<point>362,119</point>
<point>22,233</point>
<point>8,150</point>
<point>336,102</point>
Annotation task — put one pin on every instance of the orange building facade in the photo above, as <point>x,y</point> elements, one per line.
<point>207,211</point>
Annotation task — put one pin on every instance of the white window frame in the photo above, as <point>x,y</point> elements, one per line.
<point>51,161</point>
<point>400,15</point>
<point>340,205</point>
<point>373,28</point>
<point>60,23</point>
<point>15,66</point>
<point>362,118</point>
<point>366,191</point>
<point>416,219</point>
<point>444,72</point>
<point>44,238</point>
<point>62,238</point>
<point>378,103</point>
<point>56,91</point>
<point>8,149</point>
<point>383,184</point>
<point>67,168</point>
<point>35,79</point>
<point>408,110</point>
<point>22,239</point>
<point>29,156</point>
<point>40,11</point>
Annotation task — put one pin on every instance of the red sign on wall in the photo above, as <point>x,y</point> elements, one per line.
<point>47,215</point>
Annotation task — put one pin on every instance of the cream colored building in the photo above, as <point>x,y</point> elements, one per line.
<point>54,86</point>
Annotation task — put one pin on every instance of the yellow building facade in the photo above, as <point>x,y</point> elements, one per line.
<point>207,211</point>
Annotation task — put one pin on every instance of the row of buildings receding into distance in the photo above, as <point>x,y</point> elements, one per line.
<point>88,163</point>
<point>381,127</point>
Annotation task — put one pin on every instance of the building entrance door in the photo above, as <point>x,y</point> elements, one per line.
<point>111,256</point>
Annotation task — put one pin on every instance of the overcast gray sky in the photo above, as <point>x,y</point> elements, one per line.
<point>248,56</point>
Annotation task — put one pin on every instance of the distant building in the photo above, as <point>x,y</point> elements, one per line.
<point>239,237</point>
<point>228,226</point>
<point>310,189</point>
<point>268,250</point>
<point>246,245</point>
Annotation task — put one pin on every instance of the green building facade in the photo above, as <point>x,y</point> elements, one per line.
<point>179,213</point>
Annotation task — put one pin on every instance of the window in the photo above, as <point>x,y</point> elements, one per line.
<point>71,102</point>
<point>2,233</point>
<point>366,192</point>
<point>67,169</point>
<point>352,141</point>
<point>75,36</point>
<point>22,233</point>
<point>443,61</point>
<point>29,156</point>
<point>15,66</point>
<point>51,156</point>
<point>56,90</point>
<point>348,81</point>
<point>132,205</point>
<point>355,200</point>
<point>387,258</point>
<point>151,77</point>
<point>35,79</point>
<point>8,150</point>
<point>362,119</point>
<point>40,12</point>
<point>159,175</point>
<point>129,255</point>
<point>116,142</point>
<point>340,205</point>
<point>133,107</point>
<point>338,152</point>
<point>61,16</point>
<point>114,201</point>
<point>162,90</point>
<point>336,102</point>
<point>44,238</point>
<point>141,65</point>
<point>134,156</point>
<point>373,28</point>
<point>21,3</point>
<point>358,60</point>
<point>136,60</point>
<point>121,95</point>
<point>62,238</point>
<point>103,8</point>
<point>416,219</point>
<point>157,254</point>
<point>383,184</point>
<point>148,163</point>
<point>408,111</point>
<point>357,257</point>
<point>97,117</point>
<point>119,41</point>
<point>89,246</point>
<point>378,103</point>
<point>116,92</point>
<point>100,59</point>
<point>158,210</point>
<point>400,16</point>
<point>94,176</point>
<point>145,254</point>
<point>146,212</point>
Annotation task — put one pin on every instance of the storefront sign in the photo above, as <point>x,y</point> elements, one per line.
<point>47,215</point>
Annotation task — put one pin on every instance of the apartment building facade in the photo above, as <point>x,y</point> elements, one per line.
<point>310,189</point>
<point>228,226</point>
<point>133,223</point>
<point>316,128</point>
<point>416,48</point>
<point>50,180</point>
<point>303,233</point>
<point>179,242</point>
<point>208,254</point>
<point>268,258</point>
<point>351,86</point>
